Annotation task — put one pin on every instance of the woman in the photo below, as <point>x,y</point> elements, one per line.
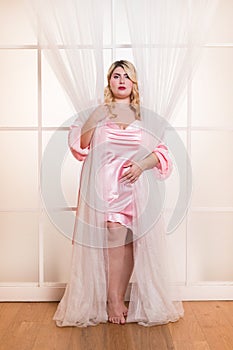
<point>119,231</point>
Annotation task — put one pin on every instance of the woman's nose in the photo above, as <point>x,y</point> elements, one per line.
<point>122,79</point>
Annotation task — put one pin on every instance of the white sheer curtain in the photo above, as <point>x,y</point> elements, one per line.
<point>166,37</point>
<point>71,34</point>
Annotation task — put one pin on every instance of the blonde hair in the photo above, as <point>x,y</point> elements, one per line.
<point>134,97</point>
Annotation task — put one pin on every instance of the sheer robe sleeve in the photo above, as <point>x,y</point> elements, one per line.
<point>164,168</point>
<point>74,138</point>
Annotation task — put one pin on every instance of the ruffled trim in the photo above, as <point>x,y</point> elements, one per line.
<point>164,168</point>
<point>123,219</point>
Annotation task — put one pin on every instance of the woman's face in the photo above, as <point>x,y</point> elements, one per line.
<point>120,84</point>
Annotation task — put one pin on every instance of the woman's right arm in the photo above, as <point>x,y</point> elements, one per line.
<point>88,128</point>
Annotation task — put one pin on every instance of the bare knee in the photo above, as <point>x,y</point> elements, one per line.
<point>116,233</point>
<point>113,225</point>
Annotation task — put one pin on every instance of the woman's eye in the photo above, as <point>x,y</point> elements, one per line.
<point>117,76</point>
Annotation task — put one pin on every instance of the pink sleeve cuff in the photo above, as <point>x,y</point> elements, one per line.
<point>74,143</point>
<point>164,168</point>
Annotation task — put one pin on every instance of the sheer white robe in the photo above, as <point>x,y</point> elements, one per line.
<point>153,298</point>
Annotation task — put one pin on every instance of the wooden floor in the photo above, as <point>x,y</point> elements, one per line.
<point>29,326</point>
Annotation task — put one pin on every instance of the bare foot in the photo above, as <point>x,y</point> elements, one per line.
<point>125,310</point>
<point>116,312</point>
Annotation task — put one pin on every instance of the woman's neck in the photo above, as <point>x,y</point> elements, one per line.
<point>121,104</point>
<point>125,101</point>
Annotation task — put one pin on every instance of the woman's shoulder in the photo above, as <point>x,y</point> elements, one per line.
<point>101,107</point>
<point>102,110</point>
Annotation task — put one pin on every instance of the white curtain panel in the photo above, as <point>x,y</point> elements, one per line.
<point>71,34</point>
<point>167,38</point>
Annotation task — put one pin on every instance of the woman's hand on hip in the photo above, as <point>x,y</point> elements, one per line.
<point>132,174</point>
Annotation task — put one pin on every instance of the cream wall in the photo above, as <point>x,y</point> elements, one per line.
<point>34,255</point>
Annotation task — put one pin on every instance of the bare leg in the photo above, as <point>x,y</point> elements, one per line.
<point>120,269</point>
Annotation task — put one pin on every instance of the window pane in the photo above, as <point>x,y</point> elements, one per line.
<point>57,254</point>
<point>18,87</point>
<point>19,247</point>
<point>56,107</point>
<point>67,174</point>
<point>212,89</point>
<point>70,178</point>
<point>15,27</point>
<point>177,249</point>
<point>221,29</point>
<point>172,182</point>
<point>210,247</point>
<point>212,165</point>
<point>19,174</point>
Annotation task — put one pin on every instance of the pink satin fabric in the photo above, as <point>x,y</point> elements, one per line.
<point>122,145</point>
<point>164,168</point>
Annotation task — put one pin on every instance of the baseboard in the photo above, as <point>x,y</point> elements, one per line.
<point>54,291</point>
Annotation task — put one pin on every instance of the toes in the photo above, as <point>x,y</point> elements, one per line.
<point>118,313</point>
<point>118,320</point>
<point>122,320</point>
<point>115,320</point>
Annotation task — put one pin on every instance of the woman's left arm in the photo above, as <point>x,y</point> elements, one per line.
<point>149,162</point>
<point>158,159</point>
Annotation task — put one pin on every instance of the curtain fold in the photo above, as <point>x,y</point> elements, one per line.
<point>71,36</point>
<point>167,38</point>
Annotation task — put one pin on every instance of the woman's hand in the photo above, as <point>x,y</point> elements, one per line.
<point>131,175</point>
<point>89,127</point>
<point>135,169</point>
